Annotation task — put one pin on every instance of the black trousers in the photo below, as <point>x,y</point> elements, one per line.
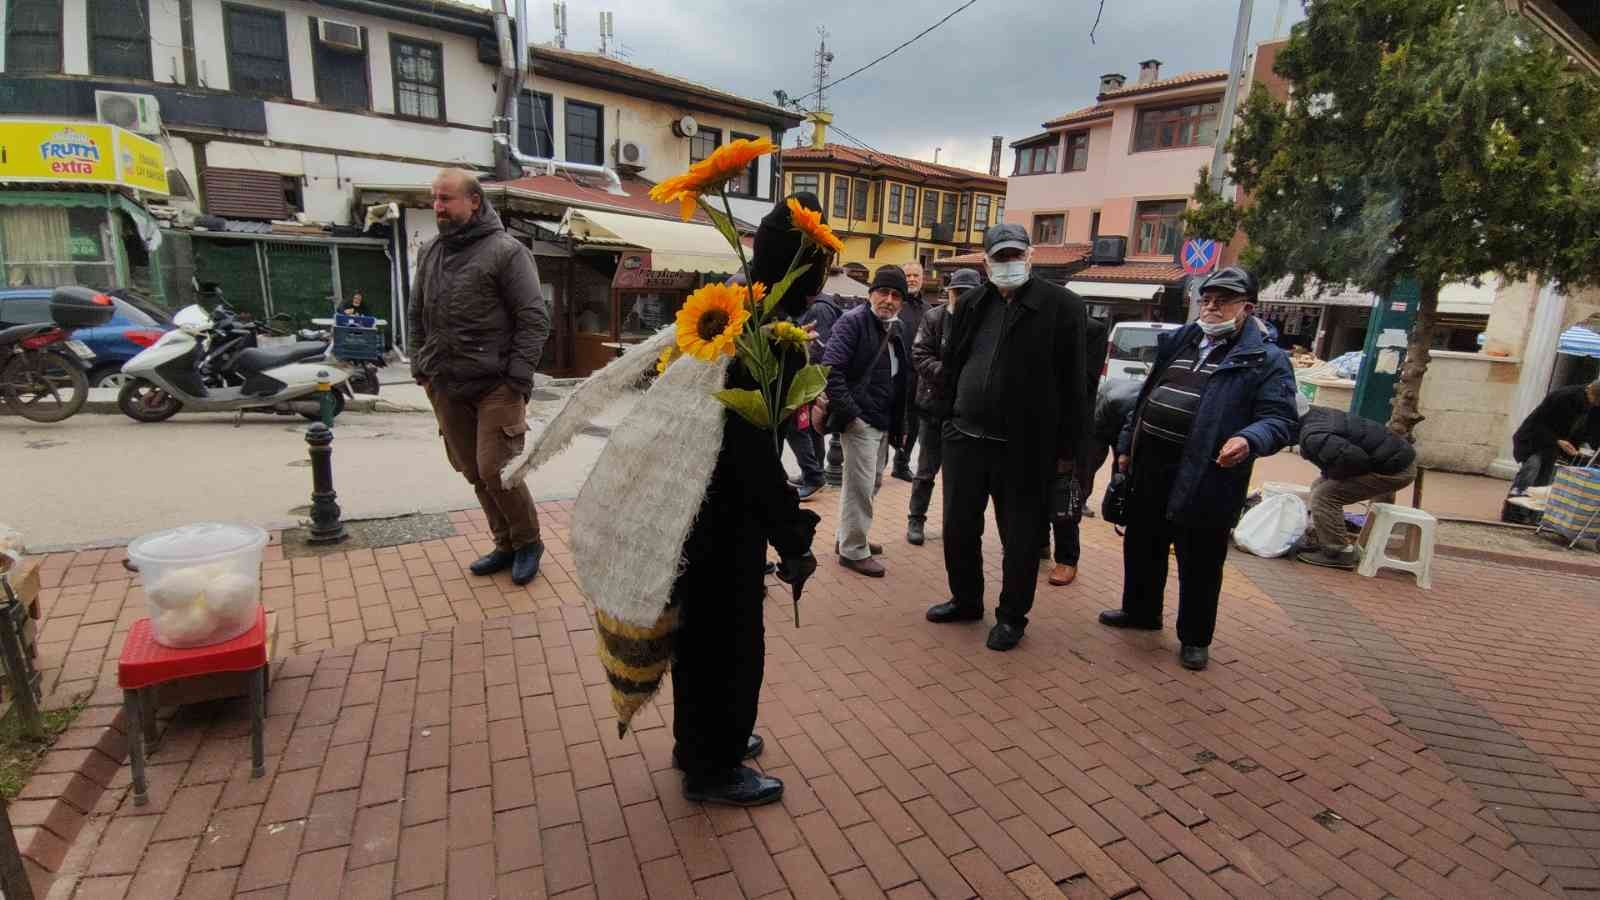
<point>976,471</point>
<point>928,464</point>
<point>1201,553</point>
<point>1538,470</point>
<point>902,455</point>
<point>716,675</point>
<point>808,449</point>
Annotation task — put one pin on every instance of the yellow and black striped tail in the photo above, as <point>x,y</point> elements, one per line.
<point>635,660</point>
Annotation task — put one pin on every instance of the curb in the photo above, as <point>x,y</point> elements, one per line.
<point>1568,567</point>
<point>362,403</point>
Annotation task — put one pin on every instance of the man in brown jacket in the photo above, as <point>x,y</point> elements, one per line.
<point>475,327</point>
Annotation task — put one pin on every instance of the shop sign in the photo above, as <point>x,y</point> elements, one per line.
<point>634,273</point>
<point>80,153</point>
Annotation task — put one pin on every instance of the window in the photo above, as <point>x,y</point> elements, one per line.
<point>46,246</point>
<point>585,133</point>
<point>33,36</point>
<point>258,51</point>
<point>930,208</point>
<point>1078,152</point>
<point>862,193</point>
<point>341,74</point>
<point>704,143</point>
<point>119,38</point>
<point>965,221</point>
<point>894,203</point>
<point>999,210</point>
<point>804,184</point>
<point>1159,228</point>
<point>1192,125</point>
<point>1036,160</point>
<point>980,212</point>
<point>748,184</point>
<point>948,214</point>
<point>418,78</point>
<point>536,125</point>
<point>841,198</point>
<point>1049,229</point>
<point>910,218</point>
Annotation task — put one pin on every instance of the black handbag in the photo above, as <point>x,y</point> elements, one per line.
<point>1114,507</point>
<point>1066,504</point>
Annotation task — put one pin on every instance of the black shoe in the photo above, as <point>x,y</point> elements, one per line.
<point>495,561</point>
<point>526,564</point>
<point>1004,636</point>
<point>752,749</point>
<point>1116,618</point>
<point>1194,658</point>
<point>902,472</point>
<point>807,491</point>
<point>949,611</point>
<point>914,531</point>
<point>739,786</point>
<point>1340,559</point>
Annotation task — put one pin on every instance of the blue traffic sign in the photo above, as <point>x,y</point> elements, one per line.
<point>1200,255</point>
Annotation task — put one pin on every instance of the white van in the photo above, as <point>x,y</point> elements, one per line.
<point>1131,349</point>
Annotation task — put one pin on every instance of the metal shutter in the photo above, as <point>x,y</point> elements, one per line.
<point>245,194</point>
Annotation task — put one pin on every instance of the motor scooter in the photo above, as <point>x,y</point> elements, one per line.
<point>200,367</point>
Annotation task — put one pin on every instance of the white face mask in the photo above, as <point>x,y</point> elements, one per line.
<point>1219,329</point>
<point>1008,274</point>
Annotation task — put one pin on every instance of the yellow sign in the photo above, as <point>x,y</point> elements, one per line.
<point>80,153</point>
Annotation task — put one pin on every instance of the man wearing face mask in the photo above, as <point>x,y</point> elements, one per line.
<point>868,367</point>
<point>1218,397</point>
<point>912,309</point>
<point>1014,399</point>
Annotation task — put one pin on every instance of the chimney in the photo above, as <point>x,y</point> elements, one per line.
<point>820,120</point>
<point>1111,81</point>
<point>1149,70</point>
<point>995,144</point>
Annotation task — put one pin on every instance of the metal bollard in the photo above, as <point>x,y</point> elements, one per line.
<point>833,467</point>
<point>325,525</point>
<point>325,397</point>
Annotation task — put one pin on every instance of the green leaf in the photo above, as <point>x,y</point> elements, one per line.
<point>756,354</point>
<point>749,404</point>
<point>770,302</point>
<point>808,383</point>
<point>723,223</point>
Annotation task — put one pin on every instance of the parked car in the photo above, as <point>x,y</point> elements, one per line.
<point>1131,349</point>
<point>136,324</point>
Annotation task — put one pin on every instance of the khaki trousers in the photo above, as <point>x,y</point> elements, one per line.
<point>1330,496</point>
<point>480,437</point>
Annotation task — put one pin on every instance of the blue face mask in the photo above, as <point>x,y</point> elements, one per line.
<point>1220,329</point>
<point>1008,274</point>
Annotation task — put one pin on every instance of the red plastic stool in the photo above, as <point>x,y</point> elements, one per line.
<point>145,664</point>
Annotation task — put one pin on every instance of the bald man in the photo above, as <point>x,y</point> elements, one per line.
<point>475,326</point>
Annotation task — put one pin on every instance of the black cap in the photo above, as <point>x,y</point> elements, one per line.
<point>1005,237</point>
<point>962,279</point>
<point>1233,280</point>
<point>892,277</point>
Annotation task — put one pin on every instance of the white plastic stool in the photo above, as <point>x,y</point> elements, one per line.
<point>1381,523</point>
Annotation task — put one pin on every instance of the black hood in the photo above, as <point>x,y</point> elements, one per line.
<point>776,244</point>
<point>484,223</point>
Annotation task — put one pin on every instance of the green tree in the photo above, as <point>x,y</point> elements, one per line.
<point>1438,140</point>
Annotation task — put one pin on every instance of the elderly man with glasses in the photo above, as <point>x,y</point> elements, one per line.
<point>1218,397</point>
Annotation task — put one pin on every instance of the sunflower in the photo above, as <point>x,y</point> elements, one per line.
<point>809,223</point>
<point>790,334</point>
<point>669,355</point>
<point>709,174</point>
<point>711,319</point>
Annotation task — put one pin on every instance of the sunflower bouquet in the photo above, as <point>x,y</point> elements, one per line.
<point>740,320</point>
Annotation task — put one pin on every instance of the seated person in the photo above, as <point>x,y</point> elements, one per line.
<point>1567,419</point>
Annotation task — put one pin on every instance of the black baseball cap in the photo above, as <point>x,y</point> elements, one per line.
<point>963,279</point>
<point>1005,237</point>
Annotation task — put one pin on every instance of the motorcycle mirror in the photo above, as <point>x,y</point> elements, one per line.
<point>192,318</point>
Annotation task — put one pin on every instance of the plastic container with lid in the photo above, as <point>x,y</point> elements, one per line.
<point>202,582</point>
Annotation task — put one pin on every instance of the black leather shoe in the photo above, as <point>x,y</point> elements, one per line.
<point>1004,636</point>
<point>914,532</point>
<point>526,564</point>
<point>1116,618</point>
<point>1195,658</point>
<point>740,786</point>
<point>903,472</point>
<point>948,611</point>
<point>495,561</point>
<point>752,749</point>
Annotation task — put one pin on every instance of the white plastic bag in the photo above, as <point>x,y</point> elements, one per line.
<point>1273,527</point>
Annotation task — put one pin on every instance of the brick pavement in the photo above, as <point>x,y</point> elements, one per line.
<point>455,739</point>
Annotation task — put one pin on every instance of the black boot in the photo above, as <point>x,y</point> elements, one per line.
<point>739,786</point>
<point>526,564</point>
<point>1004,636</point>
<point>1195,658</point>
<point>494,561</point>
<point>949,611</point>
<point>914,534</point>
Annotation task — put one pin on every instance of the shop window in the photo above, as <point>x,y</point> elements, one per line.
<point>585,133</point>
<point>46,246</point>
<point>418,68</point>
<point>594,313</point>
<point>644,314</point>
<point>341,73</point>
<point>33,36</point>
<point>258,51</point>
<point>536,125</point>
<point>119,38</point>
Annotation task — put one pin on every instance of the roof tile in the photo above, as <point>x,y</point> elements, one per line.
<point>1043,255</point>
<point>841,153</point>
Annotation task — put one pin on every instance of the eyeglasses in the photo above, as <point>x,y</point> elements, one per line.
<point>1222,300</point>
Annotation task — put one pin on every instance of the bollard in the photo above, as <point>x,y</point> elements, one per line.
<point>325,525</point>
<point>325,397</point>
<point>833,470</point>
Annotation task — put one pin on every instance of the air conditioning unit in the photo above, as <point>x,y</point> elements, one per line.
<point>135,112</point>
<point>1110,249</point>
<point>339,35</point>
<point>630,155</point>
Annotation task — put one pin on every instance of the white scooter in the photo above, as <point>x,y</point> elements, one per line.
<point>180,372</point>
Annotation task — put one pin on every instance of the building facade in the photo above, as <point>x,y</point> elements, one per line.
<point>892,209</point>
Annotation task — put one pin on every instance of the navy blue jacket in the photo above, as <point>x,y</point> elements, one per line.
<point>860,385</point>
<point>823,312</point>
<point>1250,395</point>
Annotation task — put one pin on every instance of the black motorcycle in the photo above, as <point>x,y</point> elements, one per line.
<point>42,377</point>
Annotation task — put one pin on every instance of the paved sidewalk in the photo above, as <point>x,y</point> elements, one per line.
<point>444,737</point>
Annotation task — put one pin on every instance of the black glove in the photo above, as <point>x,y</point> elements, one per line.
<point>521,386</point>
<point>795,571</point>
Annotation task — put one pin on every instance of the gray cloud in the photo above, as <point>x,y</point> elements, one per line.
<point>996,68</point>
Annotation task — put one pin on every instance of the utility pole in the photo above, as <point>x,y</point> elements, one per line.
<point>1230,99</point>
<point>824,60</point>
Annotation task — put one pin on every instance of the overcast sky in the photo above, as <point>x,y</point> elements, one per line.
<point>999,67</point>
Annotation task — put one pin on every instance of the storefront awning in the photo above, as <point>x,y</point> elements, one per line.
<point>1115,290</point>
<point>674,246</point>
<point>1579,341</point>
